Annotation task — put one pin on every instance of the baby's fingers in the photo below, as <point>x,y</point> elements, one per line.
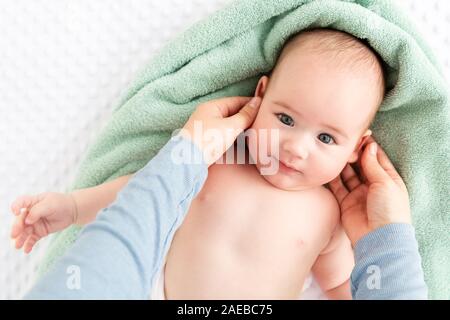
<point>20,203</point>
<point>38,211</point>
<point>23,237</point>
<point>17,227</point>
<point>30,242</point>
<point>19,224</point>
<point>25,201</point>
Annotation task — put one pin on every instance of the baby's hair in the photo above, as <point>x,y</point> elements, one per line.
<point>344,49</point>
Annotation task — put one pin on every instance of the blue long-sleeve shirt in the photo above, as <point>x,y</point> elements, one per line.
<point>118,255</point>
<point>388,265</point>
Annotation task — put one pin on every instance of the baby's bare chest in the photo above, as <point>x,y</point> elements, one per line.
<point>245,237</point>
<point>237,206</point>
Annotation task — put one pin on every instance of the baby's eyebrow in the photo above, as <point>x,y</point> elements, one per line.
<point>337,130</point>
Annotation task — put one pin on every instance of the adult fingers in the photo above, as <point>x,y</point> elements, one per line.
<point>373,171</point>
<point>338,188</point>
<point>350,178</point>
<point>246,115</point>
<point>229,106</point>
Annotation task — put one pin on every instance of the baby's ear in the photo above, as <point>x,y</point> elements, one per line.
<point>362,141</point>
<point>261,86</point>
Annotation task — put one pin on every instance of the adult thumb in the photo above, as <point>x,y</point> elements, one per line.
<point>373,171</point>
<point>246,115</point>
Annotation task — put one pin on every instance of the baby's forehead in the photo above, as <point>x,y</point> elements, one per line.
<point>321,79</point>
<point>335,48</point>
<point>304,62</point>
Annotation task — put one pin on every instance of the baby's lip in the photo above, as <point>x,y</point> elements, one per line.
<point>286,165</point>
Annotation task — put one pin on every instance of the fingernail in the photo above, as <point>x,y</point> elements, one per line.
<point>28,221</point>
<point>373,149</point>
<point>254,102</point>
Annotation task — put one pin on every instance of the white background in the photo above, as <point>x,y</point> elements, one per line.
<point>63,66</point>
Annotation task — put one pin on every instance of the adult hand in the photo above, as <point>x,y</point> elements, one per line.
<point>374,199</point>
<point>215,125</point>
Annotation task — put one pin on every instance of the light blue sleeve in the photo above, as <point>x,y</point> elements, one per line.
<point>117,255</point>
<point>388,265</point>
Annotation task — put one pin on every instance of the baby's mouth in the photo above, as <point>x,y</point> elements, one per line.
<point>284,168</point>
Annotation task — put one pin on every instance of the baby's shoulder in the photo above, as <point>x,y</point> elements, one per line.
<point>328,197</point>
<point>322,196</point>
<point>328,201</point>
<point>325,205</point>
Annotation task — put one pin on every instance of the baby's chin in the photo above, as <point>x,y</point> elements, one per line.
<point>284,182</point>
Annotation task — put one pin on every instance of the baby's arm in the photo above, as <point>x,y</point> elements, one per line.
<point>39,215</point>
<point>90,201</point>
<point>334,266</point>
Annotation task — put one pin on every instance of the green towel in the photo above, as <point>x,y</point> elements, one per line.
<point>225,55</point>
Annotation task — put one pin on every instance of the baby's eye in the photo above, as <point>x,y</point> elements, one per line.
<point>285,119</point>
<point>327,138</point>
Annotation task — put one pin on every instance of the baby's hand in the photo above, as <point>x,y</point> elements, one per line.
<point>38,216</point>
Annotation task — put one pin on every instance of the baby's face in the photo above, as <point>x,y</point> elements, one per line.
<point>320,113</point>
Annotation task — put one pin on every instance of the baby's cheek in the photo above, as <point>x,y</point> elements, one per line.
<point>264,135</point>
<point>252,147</point>
<point>273,144</point>
<point>333,171</point>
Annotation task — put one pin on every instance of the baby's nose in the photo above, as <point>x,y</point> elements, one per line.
<point>297,148</point>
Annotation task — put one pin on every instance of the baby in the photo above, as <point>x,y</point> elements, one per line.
<point>251,235</point>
